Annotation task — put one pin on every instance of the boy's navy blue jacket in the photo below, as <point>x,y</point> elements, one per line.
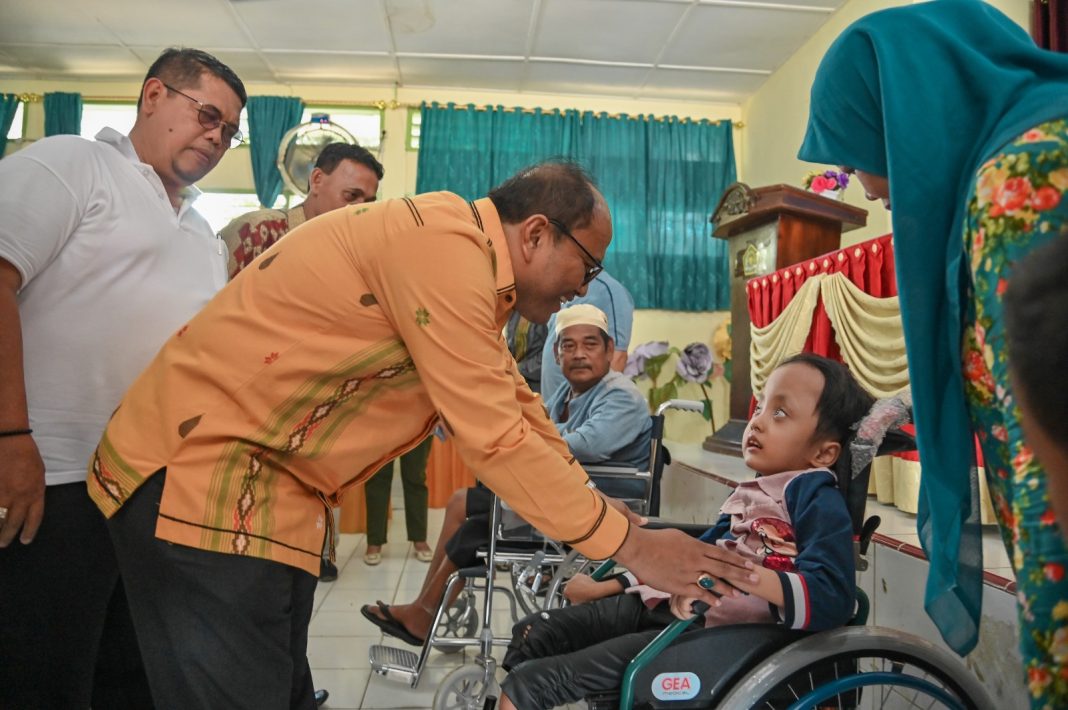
<point>821,592</point>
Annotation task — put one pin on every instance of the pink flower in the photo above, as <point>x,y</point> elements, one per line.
<point>819,184</point>
<point>1045,198</point>
<point>1013,194</point>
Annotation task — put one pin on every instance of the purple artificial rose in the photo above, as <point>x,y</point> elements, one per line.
<point>695,363</point>
<point>843,179</point>
<point>636,361</point>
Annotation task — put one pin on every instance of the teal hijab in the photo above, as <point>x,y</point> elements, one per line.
<point>922,94</point>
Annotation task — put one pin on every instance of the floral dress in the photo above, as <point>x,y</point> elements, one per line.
<point>1018,205</point>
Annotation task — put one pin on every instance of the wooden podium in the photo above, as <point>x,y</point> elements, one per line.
<point>767,229</point>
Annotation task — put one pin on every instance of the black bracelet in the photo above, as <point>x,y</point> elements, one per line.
<point>15,432</point>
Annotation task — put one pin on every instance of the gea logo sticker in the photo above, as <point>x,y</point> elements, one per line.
<point>676,686</point>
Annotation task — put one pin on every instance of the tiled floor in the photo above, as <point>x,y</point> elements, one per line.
<point>339,636</point>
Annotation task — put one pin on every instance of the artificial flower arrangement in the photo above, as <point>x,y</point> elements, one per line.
<point>694,365</point>
<point>826,181</point>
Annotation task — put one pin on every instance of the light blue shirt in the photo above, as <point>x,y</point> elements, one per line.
<point>611,297</point>
<point>608,422</point>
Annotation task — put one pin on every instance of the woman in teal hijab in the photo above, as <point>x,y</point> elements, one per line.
<point>950,114</point>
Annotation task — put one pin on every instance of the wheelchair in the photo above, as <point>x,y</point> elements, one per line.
<point>768,666</point>
<point>528,558</point>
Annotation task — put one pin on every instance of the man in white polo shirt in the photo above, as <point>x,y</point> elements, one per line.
<point>102,258</point>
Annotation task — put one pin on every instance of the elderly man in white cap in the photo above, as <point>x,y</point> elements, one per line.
<point>600,414</point>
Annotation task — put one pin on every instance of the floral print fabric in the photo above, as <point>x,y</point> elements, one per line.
<point>1018,204</point>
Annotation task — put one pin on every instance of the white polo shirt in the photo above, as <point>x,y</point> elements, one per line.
<point>109,272</point>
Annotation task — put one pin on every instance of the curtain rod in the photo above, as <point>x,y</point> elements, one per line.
<point>686,119</point>
<point>393,104</point>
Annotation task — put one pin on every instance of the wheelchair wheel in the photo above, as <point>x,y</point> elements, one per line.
<point>866,667</point>
<point>465,688</point>
<point>460,621</point>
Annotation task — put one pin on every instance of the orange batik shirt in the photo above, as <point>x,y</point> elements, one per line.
<point>336,350</point>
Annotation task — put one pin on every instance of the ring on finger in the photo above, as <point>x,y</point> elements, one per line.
<point>706,581</point>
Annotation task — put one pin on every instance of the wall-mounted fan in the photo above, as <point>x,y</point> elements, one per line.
<point>300,148</point>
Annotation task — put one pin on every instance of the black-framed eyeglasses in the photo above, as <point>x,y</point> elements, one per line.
<point>591,271</point>
<point>210,117</point>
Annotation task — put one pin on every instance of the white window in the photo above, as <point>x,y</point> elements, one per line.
<point>365,124</point>
<point>96,116</point>
<point>415,125</point>
<point>219,208</point>
<point>15,133</point>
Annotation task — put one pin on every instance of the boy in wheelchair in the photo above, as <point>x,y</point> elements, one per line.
<point>791,521</point>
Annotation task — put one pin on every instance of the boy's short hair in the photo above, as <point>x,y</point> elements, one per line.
<point>843,401</point>
<point>1036,322</point>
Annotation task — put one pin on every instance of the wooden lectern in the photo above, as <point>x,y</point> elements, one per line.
<point>767,229</point>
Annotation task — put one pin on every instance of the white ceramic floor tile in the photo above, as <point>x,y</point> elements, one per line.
<point>346,687</point>
<point>385,693</point>
<point>340,652</point>
<point>351,599</point>
<point>341,623</point>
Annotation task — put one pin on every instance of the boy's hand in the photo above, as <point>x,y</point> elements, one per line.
<point>682,606</point>
<point>581,588</point>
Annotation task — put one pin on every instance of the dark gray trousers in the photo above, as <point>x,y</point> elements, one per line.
<point>216,630</point>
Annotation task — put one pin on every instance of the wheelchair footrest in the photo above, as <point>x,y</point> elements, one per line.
<point>395,663</point>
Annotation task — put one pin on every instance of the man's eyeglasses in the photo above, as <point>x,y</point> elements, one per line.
<point>211,118</point>
<point>591,271</point>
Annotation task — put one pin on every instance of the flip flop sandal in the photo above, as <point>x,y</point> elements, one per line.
<point>389,624</point>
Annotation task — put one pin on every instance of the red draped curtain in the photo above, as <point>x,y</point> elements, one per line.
<point>1049,24</point>
<point>869,265</point>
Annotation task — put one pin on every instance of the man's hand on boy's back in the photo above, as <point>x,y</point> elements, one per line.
<point>674,562</point>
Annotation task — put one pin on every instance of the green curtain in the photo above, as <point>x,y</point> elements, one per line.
<point>9,103</point>
<point>269,117</point>
<point>662,179</point>
<point>63,113</point>
<point>469,151</point>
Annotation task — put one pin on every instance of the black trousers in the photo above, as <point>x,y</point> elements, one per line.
<point>62,608</point>
<point>561,656</point>
<point>216,630</point>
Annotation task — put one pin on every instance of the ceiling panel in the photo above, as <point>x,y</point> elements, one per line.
<point>333,67</point>
<point>191,23</point>
<point>603,47</point>
<point>106,62</point>
<point>468,27</point>
<point>606,31</point>
<point>49,21</point>
<point>584,78</point>
<point>711,86</point>
<point>741,37</point>
<point>458,72</point>
<point>246,64</point>
<point>344,25</point>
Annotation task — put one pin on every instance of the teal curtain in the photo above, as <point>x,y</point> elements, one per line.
<point>9,103</point>
<point>662,179</point>
<point>269,117</point>
<point>63,113</point>
<point>469,151</point>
